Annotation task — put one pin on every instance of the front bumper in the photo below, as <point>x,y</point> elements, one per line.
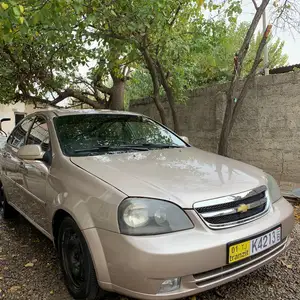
<point>137,266</point>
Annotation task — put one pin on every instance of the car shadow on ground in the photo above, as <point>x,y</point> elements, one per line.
<point>31,270</point>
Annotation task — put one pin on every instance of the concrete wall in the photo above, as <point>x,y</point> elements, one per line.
<point>266,134</point>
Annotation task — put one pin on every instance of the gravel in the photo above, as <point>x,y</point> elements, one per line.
<point>29,269</point>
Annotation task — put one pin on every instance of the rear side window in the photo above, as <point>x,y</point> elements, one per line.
<point>18,137</point>
<point>39,134</point>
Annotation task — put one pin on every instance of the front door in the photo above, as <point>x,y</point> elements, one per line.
<point>35,175</point>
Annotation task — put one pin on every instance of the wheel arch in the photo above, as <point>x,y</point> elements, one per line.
<point>93,242</point>
<point>57,219</point>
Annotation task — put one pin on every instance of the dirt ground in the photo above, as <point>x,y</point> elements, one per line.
<point>29,269</point>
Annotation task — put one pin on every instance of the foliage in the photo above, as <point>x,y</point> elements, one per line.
<point>230,41</point>
<point>39,56</point>
<point>44,44</point>
<point>275,48</point>
<point>210,58</point>
<point>179,43</point>
<point>139,85</point>
<point>46,49</point>
<point>42,56</point>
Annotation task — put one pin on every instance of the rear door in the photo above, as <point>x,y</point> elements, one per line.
<point>35,175</point>
<point>11,179</point>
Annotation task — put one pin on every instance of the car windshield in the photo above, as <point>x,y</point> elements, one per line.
<point>94,134</point>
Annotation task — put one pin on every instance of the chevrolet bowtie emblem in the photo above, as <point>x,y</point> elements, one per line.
<point>242,208</point>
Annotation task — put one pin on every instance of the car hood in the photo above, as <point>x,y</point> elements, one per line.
<point>184,176</point>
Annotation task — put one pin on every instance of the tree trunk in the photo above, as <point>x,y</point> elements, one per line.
<point>232,108</point>
<point>223,141</point>
<point>170,97</point>
<point>160,108</point>
<point>154,76</point>
<point>117,94</point>
<point>250,76</point>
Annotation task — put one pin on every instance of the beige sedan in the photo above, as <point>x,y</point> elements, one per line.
<point>133,208</point>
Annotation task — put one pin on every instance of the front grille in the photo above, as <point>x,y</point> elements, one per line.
<point>236,217</point>
<point>246,200</point>
<point>233,210</point>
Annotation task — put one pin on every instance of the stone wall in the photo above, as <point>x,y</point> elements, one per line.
<point>266,133</point>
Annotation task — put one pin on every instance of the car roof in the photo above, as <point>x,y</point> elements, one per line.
<point>65,112</point>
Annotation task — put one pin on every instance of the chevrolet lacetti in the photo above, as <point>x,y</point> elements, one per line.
<point>135,209</point>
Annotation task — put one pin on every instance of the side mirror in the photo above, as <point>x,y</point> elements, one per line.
<point>186,139</point>
<point>30,152</point>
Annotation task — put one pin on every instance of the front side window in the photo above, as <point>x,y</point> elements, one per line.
<point>18,136</point>
<point>39,134</point>
<point>92,134</point>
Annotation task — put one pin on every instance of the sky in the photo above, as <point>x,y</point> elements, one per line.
<point>291,39</point>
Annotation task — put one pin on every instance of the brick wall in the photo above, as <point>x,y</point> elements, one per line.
<point>266,133</point>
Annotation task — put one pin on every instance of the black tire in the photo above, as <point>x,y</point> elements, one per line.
<point>76,263</point>
<point>8,211</point>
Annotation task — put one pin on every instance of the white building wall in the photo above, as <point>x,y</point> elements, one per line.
<point>10,111</point>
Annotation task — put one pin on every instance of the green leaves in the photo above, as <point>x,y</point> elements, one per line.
<point>21,8</point>
<point>4,5</point>
<point>16,11</point>
<point>12,20</point>
<point>54,41</point>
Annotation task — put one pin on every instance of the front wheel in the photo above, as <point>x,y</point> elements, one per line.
<point>76,262</point>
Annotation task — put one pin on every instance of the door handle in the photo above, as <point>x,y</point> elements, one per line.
<point>6,155</point>
<point>23,167</point>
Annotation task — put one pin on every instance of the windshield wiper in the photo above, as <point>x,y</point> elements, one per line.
<point>138,147</point>
<point>113,148</point>
<point>158,146</point>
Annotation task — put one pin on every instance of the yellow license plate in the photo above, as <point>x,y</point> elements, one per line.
<point>239,251</point>
<point>243,249</point>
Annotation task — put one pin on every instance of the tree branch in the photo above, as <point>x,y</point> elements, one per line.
<point>111,35</point>
<point>34,99</point>
<point>170,95</point>
<point>175,15</point>
<point>244,49</point>
<point>255,4</point>
<point>103,89</point>
<point>78,95</point>
<point>87,94</point>
<point>25,96</point>
<point>155,82</point>
<point>282,10</point>
<point>228,117</point>
<point>249,35</point>
<point>250,77</point>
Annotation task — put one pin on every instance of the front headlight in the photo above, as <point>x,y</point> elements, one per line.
<point>274,190</point>
<point>142,216</point>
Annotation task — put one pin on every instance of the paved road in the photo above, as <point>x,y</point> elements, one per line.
<point>21,244</point>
